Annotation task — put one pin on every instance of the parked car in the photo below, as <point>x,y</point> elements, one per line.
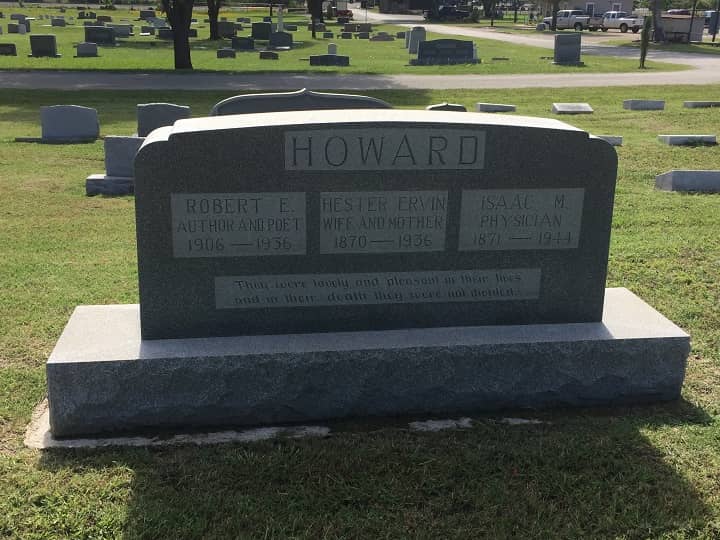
<point>679,12</point>
<point>445,13</point>
<point>619,20</point>
<point>570,18</point>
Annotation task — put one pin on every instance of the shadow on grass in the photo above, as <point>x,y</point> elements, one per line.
<point>583,474</point>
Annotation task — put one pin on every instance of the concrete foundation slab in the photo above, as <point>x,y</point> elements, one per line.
<point>102,378</point>
<point>102,184</point>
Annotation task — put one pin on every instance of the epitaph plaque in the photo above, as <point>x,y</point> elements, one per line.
<point>385,219</point>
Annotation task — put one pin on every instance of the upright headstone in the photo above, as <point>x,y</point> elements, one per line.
<point>43,45</point>
<point>227,29</point>
<point>122,30</point>
<point>21,29</point>
<point>445,51</point>
<point>417,35</point>
<point>243,44</point>
<point>261,31</point>
<point>57,22</point>
<point>280,40</point>
<point>100,35</point>
<point>269,55</point>
<point>332,48</point>
<point>87,50</point>
<point>119,167</point>
<point>337,60</point>
<point>226,52</point>
<point>151,116</point>
<point>301,100</point>
<point>567,49</point>
<point>147,14</point>
<point>428,265</point>
<point>8,49</point>
<point>165,33</point>
<point>69,123</point>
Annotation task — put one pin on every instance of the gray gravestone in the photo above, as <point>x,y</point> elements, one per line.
<point>147,30</point>
<point>104,18</point>
<point>69,123</point>
<point>400,35</point>
<point>687,140</point>
<point>445,106</point>
<point>8,49</point>
<point>376,245</point>
<point>269,55</point>
<point>226,29</point>
<point>364,27</point>
<point>407,38</point>
<point>120,155</point>
<point>350,27</point>
<point>43,46</point>
<point>13,28</point>
<point>332,48</point>
<point>337,60</point>
<point>567,49</point>
<point>494,107</point>
<point>346,35</point>
<point>700,104</point>
<point>226,52</point>
<point>192,32</point>
<point>165,33</point>
<point>87,50</point>
<point>147,14</point>
<point>291,27</point>
<point>122,30</point>
<point>151,116</point>
<point>21,29</point>
<point>382,36</point>
<point>100,35</point>
<point>615,140</point>
<point>280,40</point>
<point>363,35</point>
<point>417,35</point>
<point>57,22</point>
<point>300,100</point>
<point>644,104</point>
<point>445,51</point>
<point>243,44</point>
<point>679,180</point>
<point>261,31</point>
<point>572,108</point>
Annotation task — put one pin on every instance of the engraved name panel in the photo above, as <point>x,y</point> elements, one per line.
<point>514,219</point>
<point>308,290</point>
<point>372,149</point>
<point>238,224</point>
<point>382,221</point>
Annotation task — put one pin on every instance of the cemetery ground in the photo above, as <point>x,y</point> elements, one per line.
<point>625,472</point>
<point>148,53</point>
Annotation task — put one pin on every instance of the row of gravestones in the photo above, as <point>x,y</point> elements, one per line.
<point>438,51</point>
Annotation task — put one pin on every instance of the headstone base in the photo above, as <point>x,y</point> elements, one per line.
<point>102,378</point>
<point>101,184</point>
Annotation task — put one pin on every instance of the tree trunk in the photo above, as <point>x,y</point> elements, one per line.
<point>555,8</point>
<point>179,13</point>
<point>213,15</point>
<point>659,32</point>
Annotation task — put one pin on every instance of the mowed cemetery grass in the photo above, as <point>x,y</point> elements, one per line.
<point>627,472</point>
<point>150,53</point>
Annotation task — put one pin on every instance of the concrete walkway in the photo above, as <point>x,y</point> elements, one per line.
<point>706,70</point>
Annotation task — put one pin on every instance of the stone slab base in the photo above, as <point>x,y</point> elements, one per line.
<point>102,378</point>
<point>704,181</point>
<point>682,140</point>
<point>102,184</point>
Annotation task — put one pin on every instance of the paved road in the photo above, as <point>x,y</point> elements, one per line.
<point>706,70</point>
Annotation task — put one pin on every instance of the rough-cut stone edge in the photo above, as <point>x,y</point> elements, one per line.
<point>634,355</point>
<point>39,437</point>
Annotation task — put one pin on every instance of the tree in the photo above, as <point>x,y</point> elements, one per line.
<point>316,13</point>
<point>645,40</point>
<point>656,6</point>
<point>213,14</point>
<point>179,14</point>
<point>555,8</point>
<point>488,8</point>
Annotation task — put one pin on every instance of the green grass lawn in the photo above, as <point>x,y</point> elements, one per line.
<point>631,472</point>
<point>149,53</point>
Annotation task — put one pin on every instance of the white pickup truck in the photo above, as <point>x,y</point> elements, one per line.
<point>569,18</point>
<point>619,20</point>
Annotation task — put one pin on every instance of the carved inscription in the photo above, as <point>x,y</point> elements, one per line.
<point>382,221</point>
<point>374,149</point>
<point>495,219</point>
<point>307,290</point>
<point>238,224</point>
